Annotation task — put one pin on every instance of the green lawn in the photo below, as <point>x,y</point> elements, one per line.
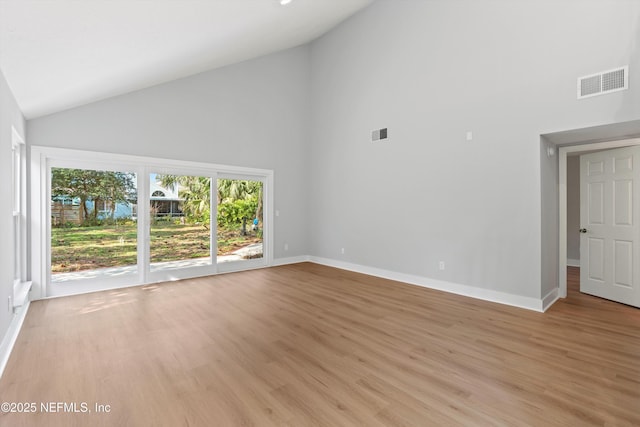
<point>87,248</point>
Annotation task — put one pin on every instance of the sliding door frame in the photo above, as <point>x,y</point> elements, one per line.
<point>84,285</point>
<point>44,158</point>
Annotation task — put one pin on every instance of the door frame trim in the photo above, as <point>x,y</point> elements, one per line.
<point>562,198</point>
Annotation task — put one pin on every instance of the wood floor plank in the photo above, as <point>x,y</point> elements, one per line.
<point>309,345</point>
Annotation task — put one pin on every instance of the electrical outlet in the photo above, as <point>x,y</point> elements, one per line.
<point>286,246</point>
<point>342,251</point>
<point>441,265</point>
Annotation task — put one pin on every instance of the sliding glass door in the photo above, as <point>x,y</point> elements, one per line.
<point>136,220</point>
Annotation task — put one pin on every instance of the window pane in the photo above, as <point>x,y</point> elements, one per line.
<point>240,220</point>
<point>17,247</point>
<point>16,181</point>
<point>179,223</point>
<point>86,240</point>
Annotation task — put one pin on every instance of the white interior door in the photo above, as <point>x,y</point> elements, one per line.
<point>609,217</point>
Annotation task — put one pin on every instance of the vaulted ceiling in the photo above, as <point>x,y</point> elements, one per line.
<point>61,54</point>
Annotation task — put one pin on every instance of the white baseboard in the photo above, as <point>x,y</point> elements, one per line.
<point>573,262</point>
<point>290,260</point>
<point>12,335</point>
<point>550,298</point>
<point>454,288</point>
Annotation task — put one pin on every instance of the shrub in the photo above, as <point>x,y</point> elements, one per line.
<point>231,213</point>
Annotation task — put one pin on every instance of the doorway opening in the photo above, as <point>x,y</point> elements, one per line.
<point>563,154</point>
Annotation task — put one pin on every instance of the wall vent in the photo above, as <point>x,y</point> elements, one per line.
<point>603,82</point>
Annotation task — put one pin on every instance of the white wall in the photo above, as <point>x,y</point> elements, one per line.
<point>430,71</point>
<point>573,208</point>
<point>10,116</point>
<point>253,114</point>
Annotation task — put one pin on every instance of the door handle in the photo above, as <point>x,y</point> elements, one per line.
<point>583,230</point>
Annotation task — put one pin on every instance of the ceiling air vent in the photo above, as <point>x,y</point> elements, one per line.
<point>603,82</point>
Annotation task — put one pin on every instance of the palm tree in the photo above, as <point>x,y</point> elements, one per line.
<point>195,190</point>
<point>236,189</point>
<point>197,198</point>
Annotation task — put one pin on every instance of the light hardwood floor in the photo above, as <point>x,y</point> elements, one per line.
<point>307,345</point>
